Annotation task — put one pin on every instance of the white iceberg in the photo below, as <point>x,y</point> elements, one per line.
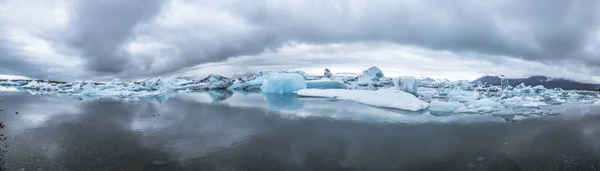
<point>440,108</point>
<point>369,76</point>
<point>283,83</point>
<point>390,98</point>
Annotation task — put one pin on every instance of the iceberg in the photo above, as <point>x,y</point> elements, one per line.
<point>325,83</point>
<point>283,83</point>
<point>389,98</point>
<point>440,108</point>
<point>408,84</point>
<point>369,76</point>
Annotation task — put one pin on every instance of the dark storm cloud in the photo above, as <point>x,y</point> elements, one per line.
<point>103,26</point>
<point>537,30</point>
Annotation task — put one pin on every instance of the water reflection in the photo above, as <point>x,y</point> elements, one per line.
<point>278,102</point>
<point>190,132</point>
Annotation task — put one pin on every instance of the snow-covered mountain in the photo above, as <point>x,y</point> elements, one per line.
<point>541,80</point>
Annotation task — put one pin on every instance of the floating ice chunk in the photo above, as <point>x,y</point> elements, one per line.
<point>390,98</point>
<point>440,108</point>
<point>283,83</point>
<point>597,102</point>
<point>325,83</point>
<point>369,76</point>
<point>408,84</point>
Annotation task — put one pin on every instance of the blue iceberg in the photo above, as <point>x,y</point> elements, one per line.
<point>326,83</point>
<point>283,83</point>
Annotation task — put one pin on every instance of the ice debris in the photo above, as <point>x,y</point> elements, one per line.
<point>389,98</point>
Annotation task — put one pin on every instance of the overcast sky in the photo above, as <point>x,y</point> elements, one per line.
<point>456,39</point>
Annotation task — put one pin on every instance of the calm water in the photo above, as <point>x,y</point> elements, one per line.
<point>212,131</point>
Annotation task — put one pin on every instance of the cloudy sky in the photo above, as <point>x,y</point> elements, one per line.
<point>456,39</point>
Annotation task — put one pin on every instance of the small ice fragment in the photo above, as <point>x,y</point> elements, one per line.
<point>283,83</point>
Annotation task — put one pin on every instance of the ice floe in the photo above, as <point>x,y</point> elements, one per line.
<point>389,98</point>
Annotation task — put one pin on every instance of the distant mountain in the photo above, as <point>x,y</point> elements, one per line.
<point>542,80</point>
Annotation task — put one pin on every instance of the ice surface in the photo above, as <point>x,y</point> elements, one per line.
<point>369,76</point>
<point>390,98</point>
<point>440,108</point>
<point>487,105</point>
<point>408,84</point>
<point>283,83</point>
<point>325,83</point>
<point>461,95</point>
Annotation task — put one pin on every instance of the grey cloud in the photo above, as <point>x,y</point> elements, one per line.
<point>103,26</point>
<point>538,30</point>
